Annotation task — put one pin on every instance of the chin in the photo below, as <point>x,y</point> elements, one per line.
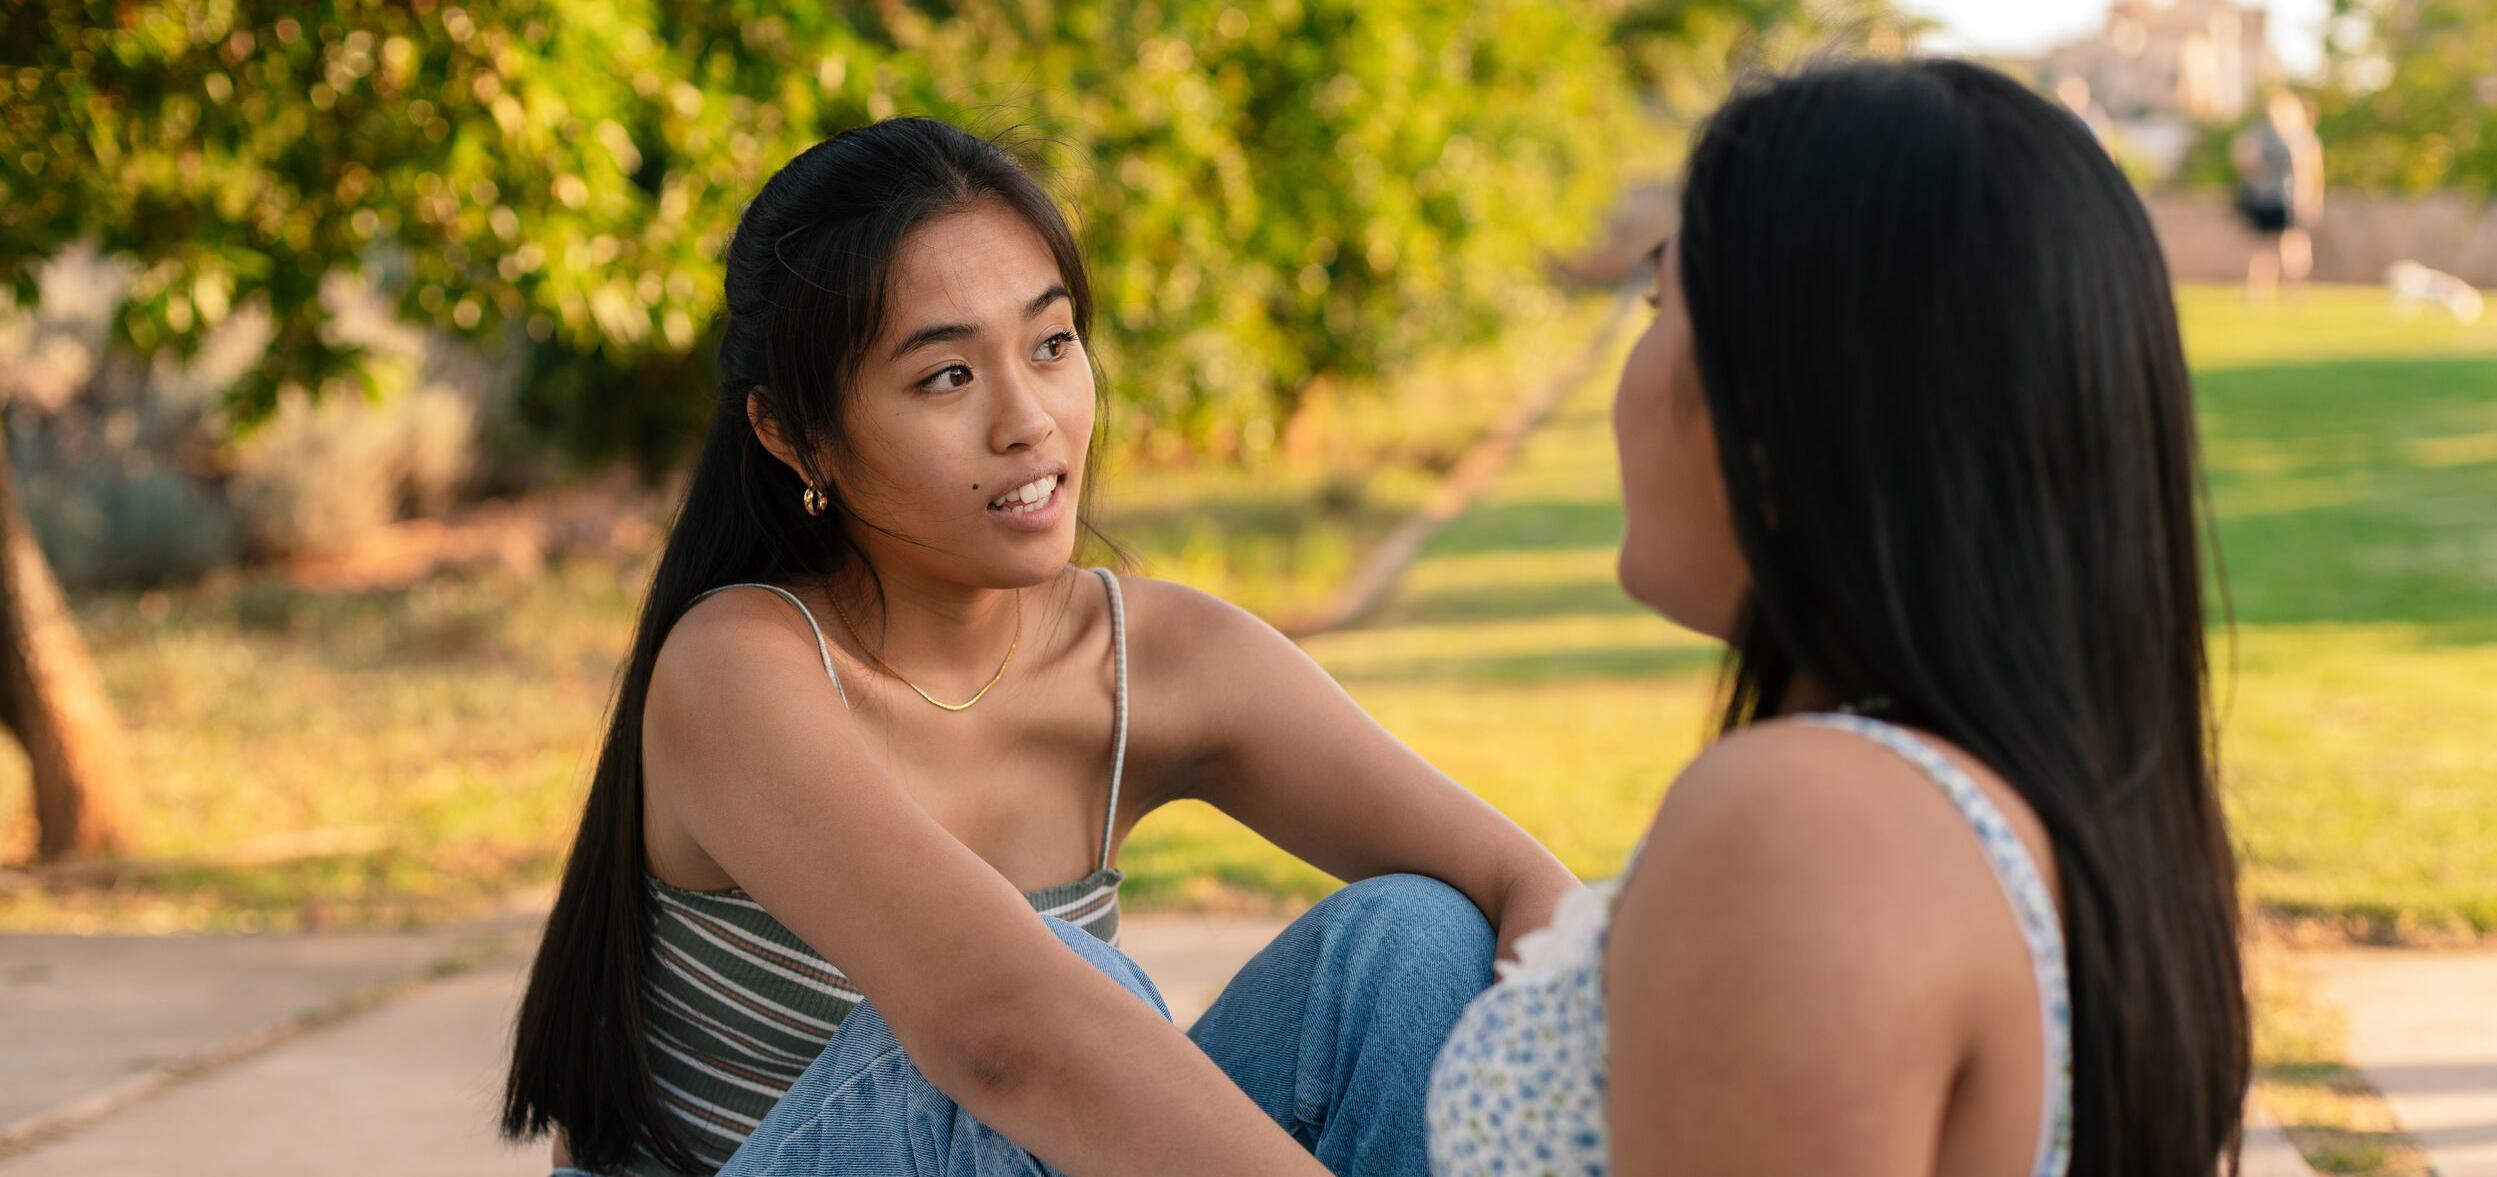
<point>1037,564</point>
<point>1683,604</point>
<point>1634,583</point>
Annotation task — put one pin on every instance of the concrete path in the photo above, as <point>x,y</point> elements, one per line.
<point>2267,1151</point>
<point>2422,1026</point>
<point>406,1089</point>
<point>83,1015</point>
<point>404,1081</point>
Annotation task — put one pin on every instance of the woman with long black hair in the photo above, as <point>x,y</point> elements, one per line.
<point>877,743</point>
<point>1912,433</point>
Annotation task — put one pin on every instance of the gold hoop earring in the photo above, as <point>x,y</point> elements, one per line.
<point>813,500</point>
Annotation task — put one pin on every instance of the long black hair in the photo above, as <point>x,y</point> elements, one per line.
<point>806,280</point>
<point>1940,351</point>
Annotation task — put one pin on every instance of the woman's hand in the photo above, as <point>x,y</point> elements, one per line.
<point>1530,902</point>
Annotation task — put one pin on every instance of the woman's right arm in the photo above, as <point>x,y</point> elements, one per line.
<point>768,775</point>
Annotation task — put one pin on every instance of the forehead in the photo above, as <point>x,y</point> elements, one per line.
<point>983,261</point>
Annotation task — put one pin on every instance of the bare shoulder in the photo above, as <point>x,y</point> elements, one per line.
<point>1813,925</point>
<point>1173,626</point>
<point>728,635</point>
<point>1163,604</point>
<point>1818,788</point>
<point>738,692</point>
<point>1826,843</point>
<point>735,662</point>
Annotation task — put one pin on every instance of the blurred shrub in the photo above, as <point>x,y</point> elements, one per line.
<point>105,521</point>
<point>315,477</point>
<point>2410,99</point>
<point>1269,190</point>
<point>137,473</point>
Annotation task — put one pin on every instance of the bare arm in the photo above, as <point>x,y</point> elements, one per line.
<point>1791,986</point>
<point>771,780</point>
<point>2310,172</point>
<point>1294,758</point>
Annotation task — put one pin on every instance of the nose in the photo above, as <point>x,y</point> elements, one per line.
<point>1019,419</point>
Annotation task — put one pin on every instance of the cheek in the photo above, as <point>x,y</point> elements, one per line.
<point>1678,551</point>
<point>902,464</point>
<point>1074,407</point>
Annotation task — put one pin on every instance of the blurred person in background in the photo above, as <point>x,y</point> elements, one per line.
<point>2280,192</point>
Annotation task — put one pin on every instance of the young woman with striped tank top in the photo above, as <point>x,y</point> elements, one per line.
<point>854,826</point>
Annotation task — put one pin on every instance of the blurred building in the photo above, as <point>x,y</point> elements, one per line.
<point>2159,68</point>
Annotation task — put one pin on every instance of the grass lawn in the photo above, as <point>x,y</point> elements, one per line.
<point>432,740</point>
<point>445,728</point>
<point>2352,459</point>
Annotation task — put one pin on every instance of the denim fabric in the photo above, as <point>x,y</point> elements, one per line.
<point>1331,1029</point>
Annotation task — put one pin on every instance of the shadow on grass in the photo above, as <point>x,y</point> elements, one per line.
<point>1512,669</point>
<point>1252,512</point>
<point>1495,603</point>
<point>1531,525</point>
<point>2358,491</point>
<point>2338,1121</point>
<point>398,887</point>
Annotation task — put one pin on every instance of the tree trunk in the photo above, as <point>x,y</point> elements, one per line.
<point>51,698</point>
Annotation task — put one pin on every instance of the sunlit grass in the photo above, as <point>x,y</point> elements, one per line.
<point>2353,463</point>
<point>1277,532</point>
<point>436,738</point>
<point>2356,490</point>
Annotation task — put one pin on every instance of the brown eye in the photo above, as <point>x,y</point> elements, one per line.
<point>1054,347</point>
<point>947,379</point>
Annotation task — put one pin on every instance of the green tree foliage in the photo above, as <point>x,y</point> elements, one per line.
<point>2411,102</point>
<point>1684,53</point>
<point>1269,191</point>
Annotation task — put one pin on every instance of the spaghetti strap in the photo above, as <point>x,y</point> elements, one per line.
<point>2032,904</point>
<point>1118,712</point>
<point>822,647</point>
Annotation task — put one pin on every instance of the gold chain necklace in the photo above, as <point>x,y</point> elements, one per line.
<point>898,676</point>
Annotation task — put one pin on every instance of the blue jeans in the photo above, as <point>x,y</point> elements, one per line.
<point>1331,1029</point>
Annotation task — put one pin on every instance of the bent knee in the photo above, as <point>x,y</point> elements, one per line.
<point>1409,905</point>
<point>1102,955</point>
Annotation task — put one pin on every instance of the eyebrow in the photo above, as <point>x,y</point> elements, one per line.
<point>949,332</point>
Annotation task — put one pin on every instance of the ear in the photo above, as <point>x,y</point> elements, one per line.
<point>767,427</point>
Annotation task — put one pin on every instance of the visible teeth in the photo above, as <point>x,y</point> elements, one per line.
<point>1026,497</point>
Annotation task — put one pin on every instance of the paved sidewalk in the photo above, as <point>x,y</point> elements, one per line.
<point>2422,1026</point>
<point>94,1022</point>
<point>2267,1151</point>
<point>408,1086</point>
<point>405,1087</point>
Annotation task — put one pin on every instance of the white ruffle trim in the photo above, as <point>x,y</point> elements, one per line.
<point>1571,941</point>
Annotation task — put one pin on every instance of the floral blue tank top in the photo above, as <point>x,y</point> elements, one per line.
<point>1520,1086</point>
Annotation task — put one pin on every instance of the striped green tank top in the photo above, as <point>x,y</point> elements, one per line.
<point>737,1005</point>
